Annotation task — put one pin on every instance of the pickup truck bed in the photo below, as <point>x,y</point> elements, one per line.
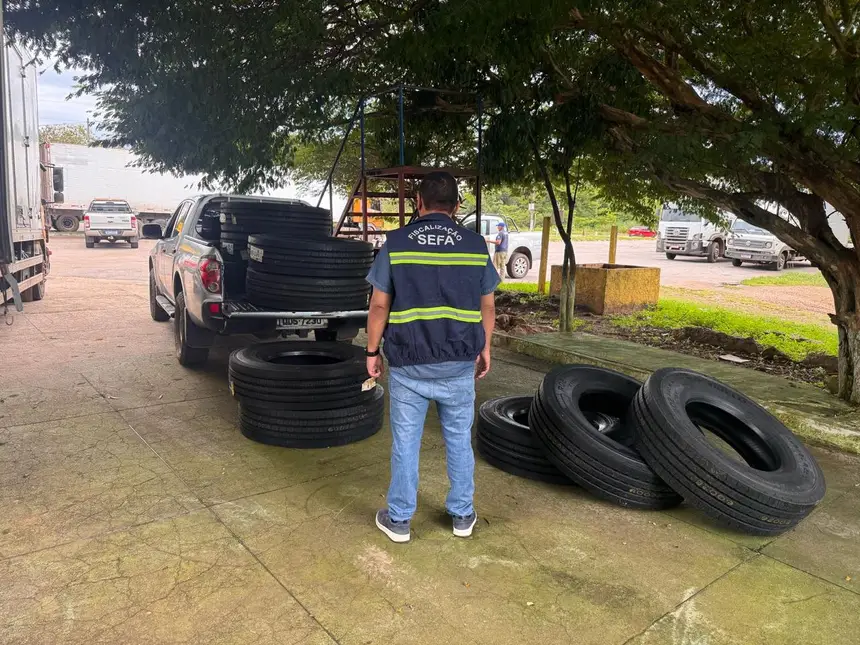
<point>192,281</point>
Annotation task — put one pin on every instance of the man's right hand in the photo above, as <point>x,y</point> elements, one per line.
<point>482,365</point>
<point>375,366</point>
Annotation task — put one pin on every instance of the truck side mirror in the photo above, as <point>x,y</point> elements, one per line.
<point>58,179</point>
<point>59,198</point>
<point>151,231</point>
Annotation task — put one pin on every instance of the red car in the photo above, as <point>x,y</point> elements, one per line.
<point>641,231</point>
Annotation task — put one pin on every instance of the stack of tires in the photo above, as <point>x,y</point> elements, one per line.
<point>308,274</point>
<point>238,220</point>
<point>682,436</point>
<point>289,219</point>
<point>304,394</point>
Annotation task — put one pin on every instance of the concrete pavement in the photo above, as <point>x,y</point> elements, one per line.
<point>133,511</point>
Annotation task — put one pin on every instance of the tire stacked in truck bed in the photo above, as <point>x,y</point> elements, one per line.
<point>240,219</point>
<point>304,394</point>
<point>308,274</point>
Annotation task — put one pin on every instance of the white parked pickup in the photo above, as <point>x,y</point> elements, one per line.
<point>111,220</point>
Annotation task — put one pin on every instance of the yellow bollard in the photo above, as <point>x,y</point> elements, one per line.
<point>613,245</point>
<point>544,254</point>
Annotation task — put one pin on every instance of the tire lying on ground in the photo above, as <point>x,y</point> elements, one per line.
<point>304,394</point>
<point>774,484</point>
<point>308,275</point>
<point>572,405</point>
<point>316,428</point>
<point>505,441</point>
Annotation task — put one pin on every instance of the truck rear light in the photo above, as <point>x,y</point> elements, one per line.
<point>133,222</point>
<point>210,274</point>
<point>86,222</point>
<point>215,308</point>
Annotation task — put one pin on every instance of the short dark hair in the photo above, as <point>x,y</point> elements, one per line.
<point>439,191</point>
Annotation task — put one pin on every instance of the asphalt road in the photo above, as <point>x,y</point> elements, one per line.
<point>120,262</point>
<point>689,272</point>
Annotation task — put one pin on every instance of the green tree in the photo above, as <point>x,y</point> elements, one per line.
<point>721,105</point>
<point>66,133</point>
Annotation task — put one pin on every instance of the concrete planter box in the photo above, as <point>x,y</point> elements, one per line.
<point>611,288</point>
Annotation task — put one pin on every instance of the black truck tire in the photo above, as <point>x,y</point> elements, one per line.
<point>505,441</point>
<point>777,484</point>
<point>66,223</point>
<point>315,429</point>
<point>186,355</point>
<point>308,275</point>
<point>604,464</point>
<point>295,220</point>
<point>298,375</point>
<point>158,314</point>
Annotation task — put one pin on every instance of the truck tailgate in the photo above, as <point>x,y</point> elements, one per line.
<point>110,221</point>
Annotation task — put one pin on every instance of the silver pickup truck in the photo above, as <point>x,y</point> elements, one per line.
<point>190,281</point>
<point>523,247</point>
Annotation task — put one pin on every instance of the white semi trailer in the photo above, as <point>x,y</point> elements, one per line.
<point>80,174</point>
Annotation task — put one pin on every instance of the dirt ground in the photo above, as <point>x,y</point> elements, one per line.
<point>133,511</point>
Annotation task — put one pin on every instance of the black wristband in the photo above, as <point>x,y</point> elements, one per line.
<point>370,354</point>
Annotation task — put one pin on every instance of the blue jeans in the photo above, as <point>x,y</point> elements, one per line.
<point>455,402</point>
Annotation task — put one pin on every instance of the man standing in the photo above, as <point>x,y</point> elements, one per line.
<point>500,257</point>
<point>433,286</point>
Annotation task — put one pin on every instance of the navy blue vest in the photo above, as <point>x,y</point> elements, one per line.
<point>436,267</point>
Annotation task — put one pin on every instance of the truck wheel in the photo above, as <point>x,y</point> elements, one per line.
<point>715,251</point>
<point>67,223</point>
<point>158,314</point>
<point>779,265</point>
<point>671,256</point>
<point>34,294</point>
<point>90,242</point>
<point>134,242</point>
<point>187,356</point>
<point>737,263</point>
<point>518,266</point>
<point>38,292</point>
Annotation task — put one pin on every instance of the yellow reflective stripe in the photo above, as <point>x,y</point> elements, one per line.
<point>439,259</point>
<point>434,313</point>
<point>423,254</point>
<point>447,263</point>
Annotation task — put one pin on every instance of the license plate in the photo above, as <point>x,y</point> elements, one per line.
<point>746,256</point>
<point>676,248</point>
<point>111,232</point>
<point>301,323</point>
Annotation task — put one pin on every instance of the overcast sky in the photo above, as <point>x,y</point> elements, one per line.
<point>53,90</point>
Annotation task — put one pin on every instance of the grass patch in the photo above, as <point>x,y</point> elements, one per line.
<point>519,287</point>
<point>787,280</point>
<point>796,340</point>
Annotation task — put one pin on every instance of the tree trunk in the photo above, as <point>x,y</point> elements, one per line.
<point>844,284</point>
<point>849,360</point>
<point>568,270</point>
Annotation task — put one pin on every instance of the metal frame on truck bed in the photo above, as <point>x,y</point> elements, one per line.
<point>397,182</point>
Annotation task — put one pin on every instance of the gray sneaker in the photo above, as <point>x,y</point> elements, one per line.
<point>396,531</point>
<point>463,525</point>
